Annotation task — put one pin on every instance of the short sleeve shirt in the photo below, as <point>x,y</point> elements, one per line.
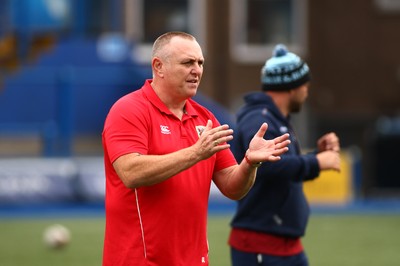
<point>163,224</point>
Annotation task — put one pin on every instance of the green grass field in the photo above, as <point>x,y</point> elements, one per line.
<point>345,240</point>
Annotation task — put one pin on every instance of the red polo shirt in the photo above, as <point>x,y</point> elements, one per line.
<point>163,224</point>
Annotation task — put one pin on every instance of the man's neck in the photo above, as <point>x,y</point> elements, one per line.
<point>281,100</point>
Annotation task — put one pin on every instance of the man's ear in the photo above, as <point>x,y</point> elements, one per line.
<point>157,66</point>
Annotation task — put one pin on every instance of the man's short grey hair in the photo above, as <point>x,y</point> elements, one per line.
<point>164,39</point>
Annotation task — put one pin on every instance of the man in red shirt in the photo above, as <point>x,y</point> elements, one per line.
<point>161,152</point>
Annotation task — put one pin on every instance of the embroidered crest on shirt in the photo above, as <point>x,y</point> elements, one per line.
<point>165,130</point>
<point>200,130</point>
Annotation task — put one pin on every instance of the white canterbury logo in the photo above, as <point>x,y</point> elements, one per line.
<point>165,130</point>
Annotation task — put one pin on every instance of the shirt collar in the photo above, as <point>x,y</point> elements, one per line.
<point>156,101</point>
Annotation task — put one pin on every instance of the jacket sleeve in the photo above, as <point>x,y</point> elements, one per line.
<point>292,166</point>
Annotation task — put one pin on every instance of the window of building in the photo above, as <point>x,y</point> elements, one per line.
<point>258,25</point>
<point>388,6</point>
<point>147,19</point>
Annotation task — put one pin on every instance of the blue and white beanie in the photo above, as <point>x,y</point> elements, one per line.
<point>284,71</point>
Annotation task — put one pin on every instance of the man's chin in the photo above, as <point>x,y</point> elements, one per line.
<point>192,91</point>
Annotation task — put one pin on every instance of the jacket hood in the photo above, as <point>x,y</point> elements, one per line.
<point>258,99</point>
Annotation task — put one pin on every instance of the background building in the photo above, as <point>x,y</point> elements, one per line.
<point>64,62</point>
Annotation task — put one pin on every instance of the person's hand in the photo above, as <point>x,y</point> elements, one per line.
<point>329,142</point>
<point>329,160</point>
<point>213,140</point>
<point>262,150</point>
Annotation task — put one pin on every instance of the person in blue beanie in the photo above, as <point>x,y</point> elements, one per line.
<point>271,219</point>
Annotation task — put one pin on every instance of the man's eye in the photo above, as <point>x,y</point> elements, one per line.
<point>190,63</point>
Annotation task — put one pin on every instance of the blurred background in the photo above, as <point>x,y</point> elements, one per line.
<point>63,63</point>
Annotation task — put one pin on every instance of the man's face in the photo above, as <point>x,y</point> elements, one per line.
<point>183,67</point>
<point>298,97</point>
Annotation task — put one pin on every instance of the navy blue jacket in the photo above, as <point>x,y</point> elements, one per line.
<point>276,204</point>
